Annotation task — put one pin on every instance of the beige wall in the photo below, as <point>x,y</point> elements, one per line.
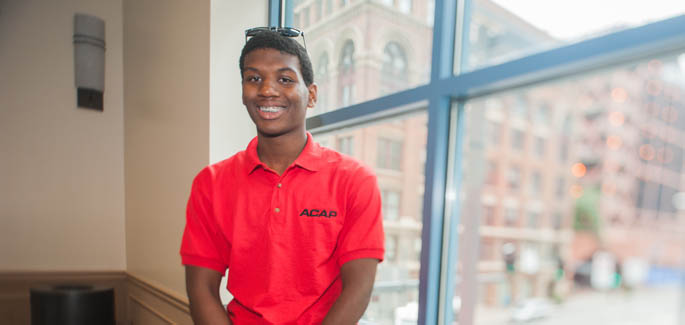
<point>61,167</point>
<point>166,68</point>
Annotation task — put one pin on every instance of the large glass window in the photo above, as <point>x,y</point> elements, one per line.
<point>551,167</point>
<point>610,240</point>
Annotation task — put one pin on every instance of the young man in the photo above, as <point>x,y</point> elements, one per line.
<point>298,226</point>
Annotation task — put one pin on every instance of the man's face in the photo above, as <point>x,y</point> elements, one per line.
<point>275,93</point>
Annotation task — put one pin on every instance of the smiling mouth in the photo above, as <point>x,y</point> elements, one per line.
<point>270,109</point>
<point>270,112</point>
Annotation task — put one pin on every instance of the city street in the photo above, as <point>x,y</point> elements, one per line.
<point>648,306</point>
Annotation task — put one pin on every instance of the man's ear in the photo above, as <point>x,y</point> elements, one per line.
<point>313,93</point>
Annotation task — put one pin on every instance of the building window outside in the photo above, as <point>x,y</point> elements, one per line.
<point>564,145</point>
<point>517,139</point>
<point>347,56</point>
<point>511,217</point>
<point>492,173</point>
<point>493,133</point>
<point>557,221</point>
<point>533,219</point>
<point>520,109</point>
<point>347,95</point>
<point>390,204</point>
<point>487,249</point>
<point>536,183</point>
<point>540,146</point>
<point>514,178</point>
<point>394,68</point>
<point>489,215</point>
<point>346,75</point>
<point>542,115</point>
<point>346,145</point>
<point>389,154</point>
<point>561,187</point>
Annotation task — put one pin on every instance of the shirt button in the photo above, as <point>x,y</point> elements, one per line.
<point>277,210</point>
<point>279,185</point>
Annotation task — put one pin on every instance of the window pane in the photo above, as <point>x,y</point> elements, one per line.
<point>362,50</point>
<point>590,233</point>
<point>402,142</point>
<point>502,30</point>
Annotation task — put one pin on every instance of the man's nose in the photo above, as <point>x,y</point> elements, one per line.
<point>268,88</point>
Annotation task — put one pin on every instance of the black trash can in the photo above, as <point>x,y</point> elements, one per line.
<point>72,305</point>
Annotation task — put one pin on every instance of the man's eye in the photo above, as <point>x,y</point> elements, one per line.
<point>286,80</point>
<point>252,78</point>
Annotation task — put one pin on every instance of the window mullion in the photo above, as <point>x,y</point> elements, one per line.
<point>436,165</point>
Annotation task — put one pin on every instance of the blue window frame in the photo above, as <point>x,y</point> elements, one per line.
<point>446,93</point>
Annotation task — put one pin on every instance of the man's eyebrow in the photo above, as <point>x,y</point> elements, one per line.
<point>287,69</point>
<point>284,69</point>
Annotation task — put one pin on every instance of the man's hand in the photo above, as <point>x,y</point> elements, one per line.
<point>202,285</point>
<point>357,280</point>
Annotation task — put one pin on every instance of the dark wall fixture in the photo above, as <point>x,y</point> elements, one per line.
<point>89,61</point>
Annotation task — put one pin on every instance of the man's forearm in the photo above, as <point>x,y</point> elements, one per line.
<point>202,285</point>
<point>357,284</point>
<point>349,307</point>
<point>207,310</point>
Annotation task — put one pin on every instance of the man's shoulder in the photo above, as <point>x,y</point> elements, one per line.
<point>237,159</point>
<point>223,167</point>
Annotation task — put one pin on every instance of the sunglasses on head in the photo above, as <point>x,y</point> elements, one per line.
<point>283,31</point>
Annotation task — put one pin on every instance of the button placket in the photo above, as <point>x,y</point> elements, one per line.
<point>276,200</point>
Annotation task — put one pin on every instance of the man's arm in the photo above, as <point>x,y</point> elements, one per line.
<point>357,283</point>
<point>202,285</point>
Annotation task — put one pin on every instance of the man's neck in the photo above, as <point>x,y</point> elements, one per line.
<point>280,152</point>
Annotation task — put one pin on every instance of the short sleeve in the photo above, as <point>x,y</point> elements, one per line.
<point>362,232</point>
<point>202,244</point>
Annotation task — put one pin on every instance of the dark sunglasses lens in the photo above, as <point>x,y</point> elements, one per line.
<point>256,30</point>
<point>290,32</point>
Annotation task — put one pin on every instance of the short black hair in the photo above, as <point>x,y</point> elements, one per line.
<point>284,44</point>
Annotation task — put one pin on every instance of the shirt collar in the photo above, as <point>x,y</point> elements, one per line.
<point>309,158</point>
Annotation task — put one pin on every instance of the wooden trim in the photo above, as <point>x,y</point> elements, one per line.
<point>149,308</point>
<point>163,293</point>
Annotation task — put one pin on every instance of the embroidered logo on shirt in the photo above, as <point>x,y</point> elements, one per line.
<point>319,213</point>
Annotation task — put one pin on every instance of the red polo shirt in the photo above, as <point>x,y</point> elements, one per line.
<point>283,238</point>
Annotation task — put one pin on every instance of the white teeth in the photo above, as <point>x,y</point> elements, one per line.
<point>270,109</point>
